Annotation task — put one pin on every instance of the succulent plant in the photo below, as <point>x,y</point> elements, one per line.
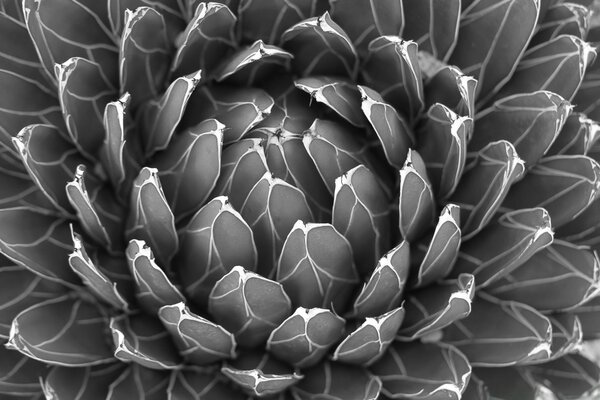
<point>307,199</point>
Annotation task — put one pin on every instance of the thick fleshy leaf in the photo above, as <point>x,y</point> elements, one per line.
<point>567,334</point>
<point>491,39</point>
<point>199,340</point>
<point>370,340</point>
<point>316,267</point>
<point>98,212</point>
<point>80,383</point>
<point>304,338</point>
<point>505,245</point>
<point>586,98</point>
<point>84,90</point>
<point>42,248</point>
<point>139,382</point>
<point>271,210</point>
<point>196,149</point>
<point>376,19</point>
<point>150,217</point>
<point>361,213</point>
<point>501,334</point>
<point>391,128</point>
<point>568,18</point>
<point>530,121</point>
<point>571,273</point>
<point>423,371</point>
<point>392,69</point>
<point>507,383</point>
<point>19,375</point>
<point>335,150</point>
<point>86,35</point>
<point>320,47</point>
<point>557,65</point>
<point>337,381</point>
<point>144,47</point>
<point>476,389</point>
<point>93,278</point>
<point>485,184</point>
<point>160,117</point>
<point>143,340</point>
<point>206,252</point>
<point>563,185</point>
<point>338,94</point>
<point>248,305</point>
<point>193,384</point>
<point>260,375</point>
<point>254,64</point>
<point>50,161</point>
<point>239,108</point>
<point>174,16</point>
<point>66,320</point>
<point>452,88</point>
<point>442,251</point>
<point>578,136</point>
<point>583,229</point>
<point>243,164</point>
<point>430,309</point>
<point>21,289</point>
<point>589,316</point>
<point>153,289</point>
<point>570,377</point>
<point>207,39</point>
<point>383,291</point>
<point>416,206</point>
<point>438,35</point>
<point>443,145</point>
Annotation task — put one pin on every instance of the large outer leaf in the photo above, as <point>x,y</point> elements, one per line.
<point>501,334</point>
<point>492,38</point>
<point>73,335</point>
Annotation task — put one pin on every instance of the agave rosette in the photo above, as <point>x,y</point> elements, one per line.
<point>313,199</point>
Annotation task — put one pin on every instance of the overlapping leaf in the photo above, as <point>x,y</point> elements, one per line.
<point>578,135</point>
<point>20,375</point>
<point>190,384</point>
<point>139,382</point>
<point>568,18</point>
<point>449,86</point>
<point>569,377</point>
<point>80,383</point>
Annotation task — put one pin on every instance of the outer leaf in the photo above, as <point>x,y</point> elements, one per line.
<point>578,136</point>
<point>271,209</point>
<point>492,38</point>
<point>338,382</point>
<point>259,375</point>
<point>530,121</point>
<point>159,118</point>
<point>248,305</point>
<point>153,288</point>
<point>66,320</point>
<point>199,340</point>
<point>305,337</point>
<point>139,382</point>
<point>563,19</point>
<point>316,267</point>
<point>452,88</point>
<point>567,335</point>
<point>586,98</point>
<point>150,217</point>
<point>508,383</point>
<point>405,375</point>
<point>369,341</point>
<point>192,384</point>
<point>383,291</point>
<point>20,290</point>
<point>42,248</point>
<point>569,377</point>
<point>361,214</point>
<point>144,46</point>
<point>19,375</point>
<point>505,245</point>
<point>572,273</point>
<point>485,184</point>
<point>501,334</point>
<point>391,128</point>
<point>588,315</point>
<point>50,161</point>
<point>442,251</point>
<point>438,36</point>
<point>174,16</point>
<point>476,390</point>
<point>143,340</point>
<point>208,37</point>
<point>435,307</point>
<point>563,185</point>
<point>443,146</point>
<point>392,69</point>
<point>80,383</point>
<point>206,255</point>
<point>557,65</point>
